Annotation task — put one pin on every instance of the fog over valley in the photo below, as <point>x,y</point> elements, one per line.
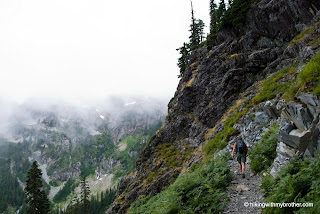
<point>56,113</point>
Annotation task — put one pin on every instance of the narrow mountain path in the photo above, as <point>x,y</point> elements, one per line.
<point>243,191</point>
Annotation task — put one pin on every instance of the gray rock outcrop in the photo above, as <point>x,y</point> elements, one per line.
<point>301,128</point>
<point>299,131</point>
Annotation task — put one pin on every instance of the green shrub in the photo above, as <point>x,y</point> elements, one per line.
<point>264,153</point>
<point>310,75</point>
<point>307,80</point>
<point>55,183</point>
<point>273,86</point>
<point>171,156</point>
<point>312,70</point>
<point>303,34</point>
<point>201,190</point>
<point>298,182</point>
<point>151,177</point>
<point>316,90</point>
<point>236,14</point>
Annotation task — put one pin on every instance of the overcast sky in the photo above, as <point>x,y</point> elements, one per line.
<point>78,49</point>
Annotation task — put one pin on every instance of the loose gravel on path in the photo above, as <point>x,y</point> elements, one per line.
<point>243,191</point>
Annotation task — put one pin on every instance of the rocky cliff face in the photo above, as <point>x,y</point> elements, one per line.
<point>214,80</point>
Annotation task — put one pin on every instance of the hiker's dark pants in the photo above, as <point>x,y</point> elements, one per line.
<point>242,157</point>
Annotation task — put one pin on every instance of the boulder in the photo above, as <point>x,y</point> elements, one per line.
<point>305,134</point>
<point>261,118</point>
<point>285,126</point>
<point>281,104</point>
<point>271,110</point>
<point>302,138</point>
<point>315,138</point>
<point>312,102</point>
<point>295,138</point>
<point>299,115</point>
<point>285,154</point>
<point>290,140</point>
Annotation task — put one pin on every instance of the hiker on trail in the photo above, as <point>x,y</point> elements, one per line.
<point>241,150</point>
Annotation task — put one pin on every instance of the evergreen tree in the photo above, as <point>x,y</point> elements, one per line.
<point>213,18</point>
<point>35,194</point>
<point>101,200</point>
<point>96,205</point>
<point>10,191</point>
<point>221,12</point>
<point>236,14</point>
<point>85,192</point>
<point>196,29</point>
<point>200,28</point>
<point>183,59</point>
<point>193,29</point>
<point>196,37</point>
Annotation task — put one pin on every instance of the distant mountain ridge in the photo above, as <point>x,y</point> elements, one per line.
<point>69,141</point>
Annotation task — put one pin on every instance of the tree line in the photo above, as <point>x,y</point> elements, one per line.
<point>14,165</point>
<point>226,13</point>
<point>37,201</point>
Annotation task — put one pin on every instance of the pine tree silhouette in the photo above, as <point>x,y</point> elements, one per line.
<point>35,195</point>
<point>85,192</point>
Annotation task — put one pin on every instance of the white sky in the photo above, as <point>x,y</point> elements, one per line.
<point>78,49</point>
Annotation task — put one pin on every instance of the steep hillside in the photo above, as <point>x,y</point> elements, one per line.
<point>223,85</point>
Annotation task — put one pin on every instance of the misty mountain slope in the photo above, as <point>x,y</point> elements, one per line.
<point>217,89</point>
<point>102,141</point>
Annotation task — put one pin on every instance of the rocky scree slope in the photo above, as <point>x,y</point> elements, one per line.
<point>212,83</point>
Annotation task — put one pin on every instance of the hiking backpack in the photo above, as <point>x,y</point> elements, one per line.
<point>240,146</point>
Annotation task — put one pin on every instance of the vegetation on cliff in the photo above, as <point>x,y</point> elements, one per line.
<point>309,78</point>
<point>201,190</point>
<point>290,81</point>
<point>263,154</point>
<point>67,189</point>
<point>299,182</point>
<point>12,195</point>
<point>10,191</point>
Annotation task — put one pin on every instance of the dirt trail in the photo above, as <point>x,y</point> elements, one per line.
<point>243,190</point>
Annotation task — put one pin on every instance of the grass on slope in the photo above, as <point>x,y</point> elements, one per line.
<point>289,81</point>
<point>309,78</point>
<point>276,84</point>
<point>201,190</point>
